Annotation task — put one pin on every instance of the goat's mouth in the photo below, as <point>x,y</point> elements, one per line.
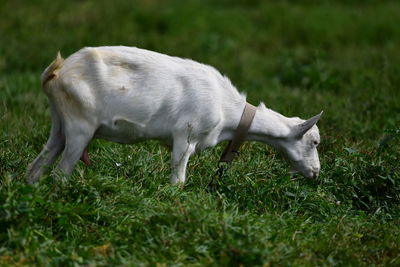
<point>294,174</point>
<point>309,174</point>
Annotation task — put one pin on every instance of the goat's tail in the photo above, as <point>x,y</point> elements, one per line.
<point>52,70</point>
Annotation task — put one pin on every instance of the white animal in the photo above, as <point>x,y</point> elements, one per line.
<point>126,95</point>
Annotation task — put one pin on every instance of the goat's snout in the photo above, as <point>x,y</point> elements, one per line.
<point>309,172</point>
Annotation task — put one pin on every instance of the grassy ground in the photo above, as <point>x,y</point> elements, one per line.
<point>298,57</point>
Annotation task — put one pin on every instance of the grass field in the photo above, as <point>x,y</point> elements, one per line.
<point>299,57</point>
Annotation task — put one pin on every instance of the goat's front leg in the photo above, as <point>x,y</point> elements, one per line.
<point>49,153</point>
<point>78,135</point>
<point>181,151</point>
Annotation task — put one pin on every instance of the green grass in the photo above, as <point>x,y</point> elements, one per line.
<point>297,57</point>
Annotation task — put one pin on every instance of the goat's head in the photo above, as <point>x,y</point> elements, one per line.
<point>300,148</point>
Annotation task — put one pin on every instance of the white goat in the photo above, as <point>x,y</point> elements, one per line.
<point>127,95</point>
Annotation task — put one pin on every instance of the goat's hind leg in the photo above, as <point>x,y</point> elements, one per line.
<point>50,152</point>
<point>78,134</point>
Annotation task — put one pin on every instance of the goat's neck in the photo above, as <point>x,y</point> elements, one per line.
<point>268,126</point>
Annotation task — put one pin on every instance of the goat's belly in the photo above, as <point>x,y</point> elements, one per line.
<point>124,131</point>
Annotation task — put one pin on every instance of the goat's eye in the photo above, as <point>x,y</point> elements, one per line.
<point>315,143</point>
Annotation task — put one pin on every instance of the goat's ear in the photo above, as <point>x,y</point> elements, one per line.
<point>302,128</point>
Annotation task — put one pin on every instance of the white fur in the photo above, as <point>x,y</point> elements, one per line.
<point>127,95</point>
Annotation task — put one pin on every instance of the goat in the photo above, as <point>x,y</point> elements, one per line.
<point>127,95</point>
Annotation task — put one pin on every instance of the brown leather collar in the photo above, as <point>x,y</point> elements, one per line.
<point>240,135</point>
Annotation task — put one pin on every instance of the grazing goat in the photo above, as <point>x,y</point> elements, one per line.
<point>127,95</point>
